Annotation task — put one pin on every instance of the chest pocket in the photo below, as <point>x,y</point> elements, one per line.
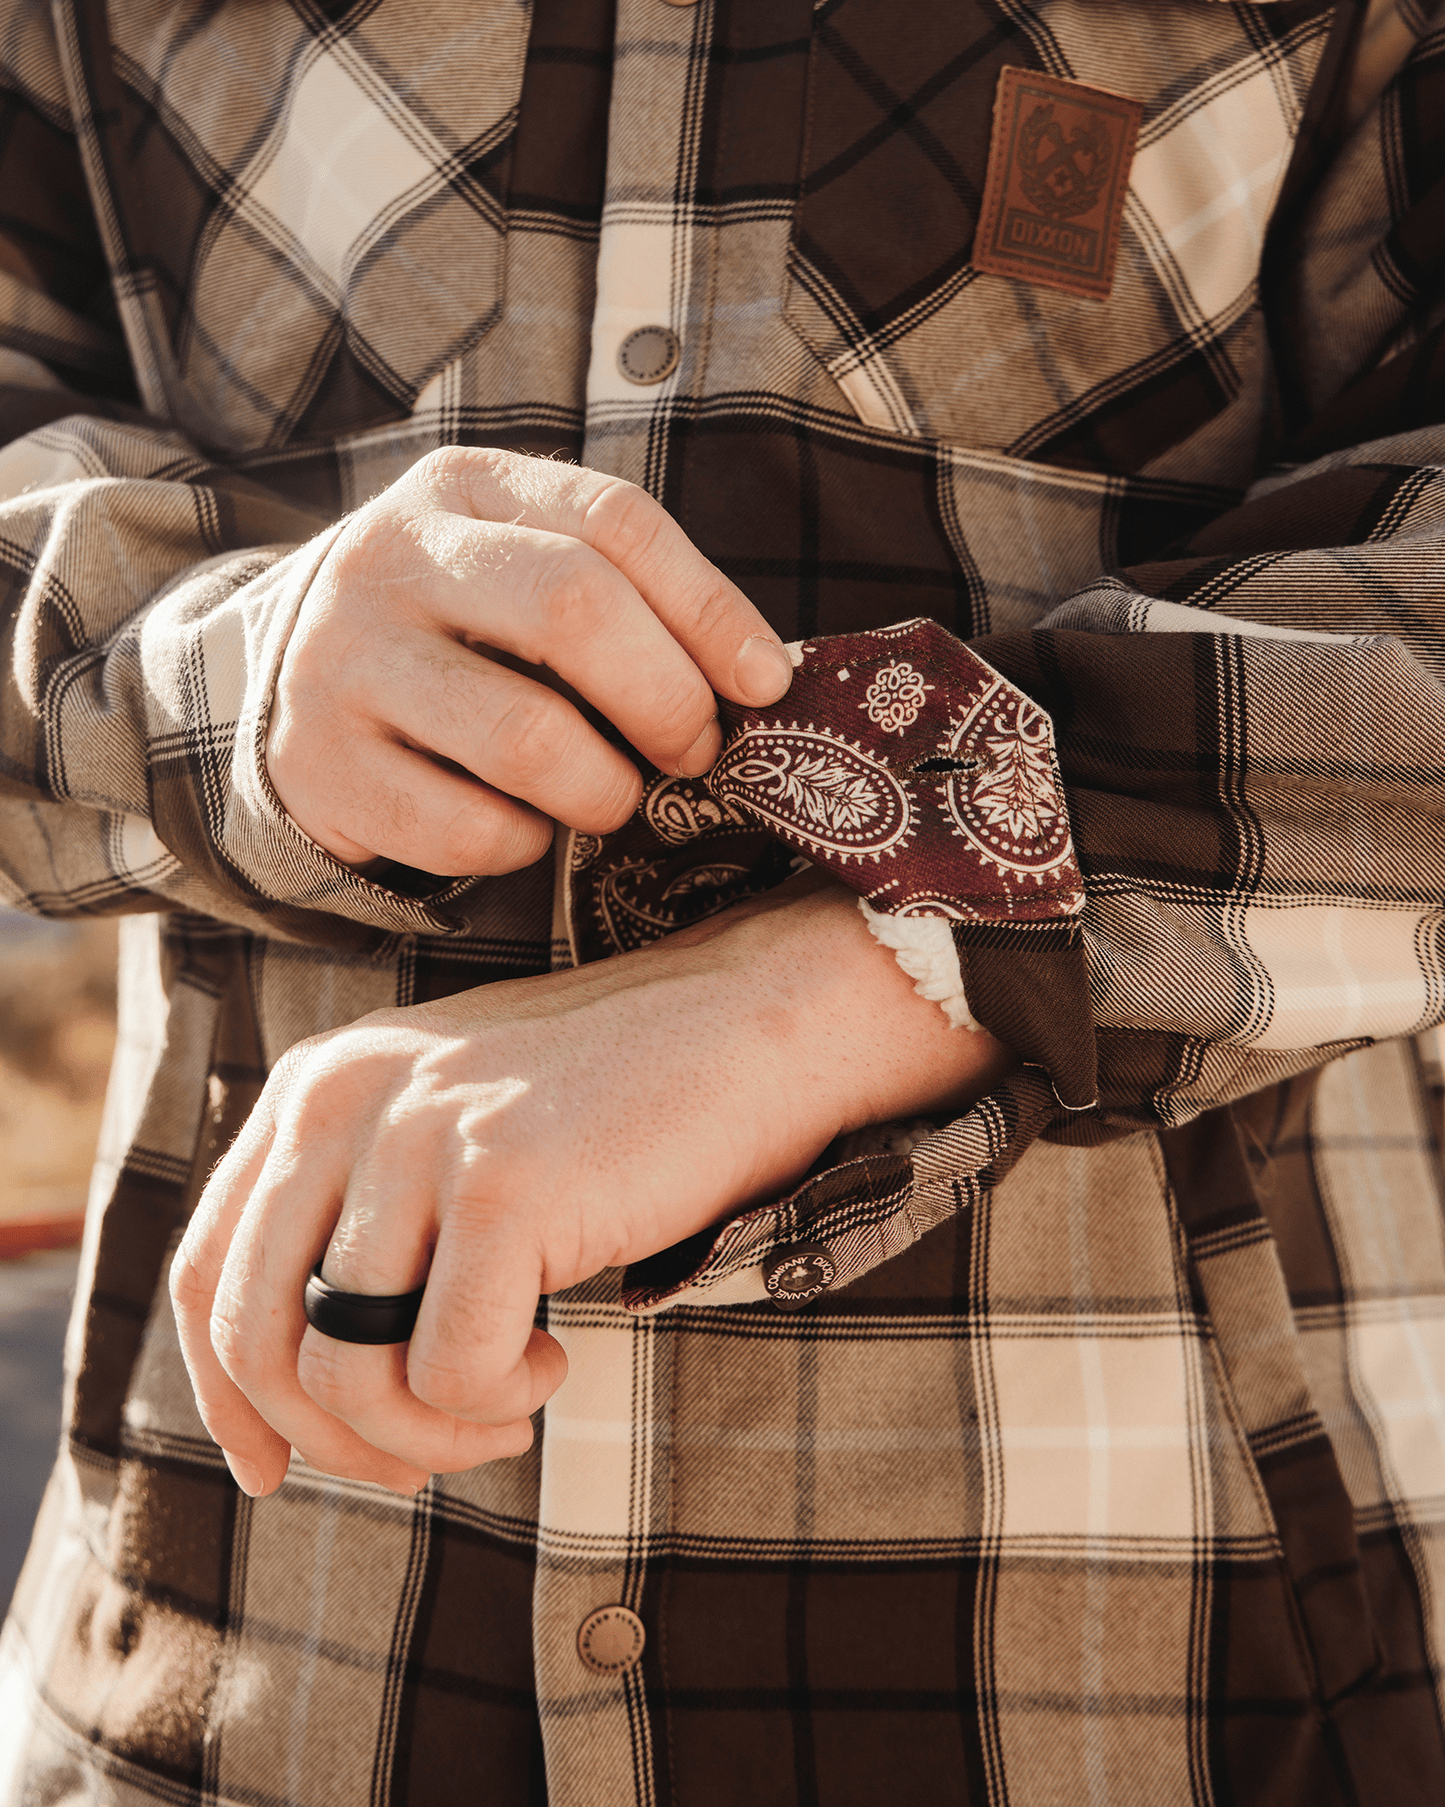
<point>881,287</point>
<point>324,200</point>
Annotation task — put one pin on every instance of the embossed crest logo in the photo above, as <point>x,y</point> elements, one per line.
<point>1058,177</point>
<point>1062,173</point>
<point>818,789</point>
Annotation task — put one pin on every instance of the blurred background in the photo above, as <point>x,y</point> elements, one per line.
<point>57,1031</point>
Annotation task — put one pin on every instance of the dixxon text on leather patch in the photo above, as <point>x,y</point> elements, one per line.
<point>1058,171</point>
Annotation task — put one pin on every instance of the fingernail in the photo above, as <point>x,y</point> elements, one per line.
<point>248,1478</point>
<point>763,671</point>
<point>701,756</point>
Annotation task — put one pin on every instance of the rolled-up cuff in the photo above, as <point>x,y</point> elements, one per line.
<point>916,774</point>
<point>257,834</point>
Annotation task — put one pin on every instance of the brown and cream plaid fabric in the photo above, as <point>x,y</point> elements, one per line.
<point>1112,1466</point>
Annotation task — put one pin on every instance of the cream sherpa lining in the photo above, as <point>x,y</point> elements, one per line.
<point>923,947</point>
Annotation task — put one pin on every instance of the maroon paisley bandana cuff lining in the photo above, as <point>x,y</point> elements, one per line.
<point>902,763</point>
<point>915,773</point>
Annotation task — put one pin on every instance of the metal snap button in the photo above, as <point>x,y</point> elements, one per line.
<point>648,354</point>
<point>798,1273</point>
<point>610,1640</point>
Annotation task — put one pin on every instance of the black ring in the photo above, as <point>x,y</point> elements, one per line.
<point>360,1317</point>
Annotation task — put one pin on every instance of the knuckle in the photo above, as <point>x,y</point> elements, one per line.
<point>572,597</point>
<point>313,1075</point>
<point>226,1427</point>
<point>534,732</point>
<point>616,803</point>
<point>309,1094</point>
<point>443,1387</point>
<point>326,1376</point>
<point>516,842</point>
<point>623,522</point>
<point>458,849</point>
<point>462,846</point>
<point>445,465</point>
<point>682,707</point>
<point>287,1081</point>
<point>715,612</point>
<point>462,473</point>
<point>370,548</point>
<point>238,1350</point>
<point>292,1064</point>
<point>440,465</point>
<point>492,840</point>
<point>189,1289</point>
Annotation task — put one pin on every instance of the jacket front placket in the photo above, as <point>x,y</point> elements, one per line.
<point>604,1509</point>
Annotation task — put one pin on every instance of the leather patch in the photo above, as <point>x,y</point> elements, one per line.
<point>1058,171</point>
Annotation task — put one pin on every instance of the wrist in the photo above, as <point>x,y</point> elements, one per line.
<point>858,1036</point>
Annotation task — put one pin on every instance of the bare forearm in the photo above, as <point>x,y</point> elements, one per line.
<point>514,1140</point>
<point>871,1048</point>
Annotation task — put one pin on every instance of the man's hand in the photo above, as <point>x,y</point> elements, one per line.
<point>395,735</point>
<point>511,1141</point>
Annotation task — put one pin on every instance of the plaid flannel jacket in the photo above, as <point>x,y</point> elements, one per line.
<point>1112,1468</point>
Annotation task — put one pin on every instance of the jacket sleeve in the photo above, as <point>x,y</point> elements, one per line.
<point>148,590</point>
<point>1251,738</point>
<point>1185,836</point>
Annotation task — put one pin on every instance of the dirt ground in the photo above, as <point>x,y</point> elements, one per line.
<point>57,1032</point>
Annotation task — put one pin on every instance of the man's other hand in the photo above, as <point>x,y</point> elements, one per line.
<point>403,728</point>
<point>514,1140</point>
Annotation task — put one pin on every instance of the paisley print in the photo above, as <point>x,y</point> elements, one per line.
<point>585,849</point>
<point>817,789</point>
<point>904,765</point>
<point>678,810</point>
<point>1007,804</point>
<point>637,902</point>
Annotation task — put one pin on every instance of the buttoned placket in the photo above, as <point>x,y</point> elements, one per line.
<point>604,1496</point>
